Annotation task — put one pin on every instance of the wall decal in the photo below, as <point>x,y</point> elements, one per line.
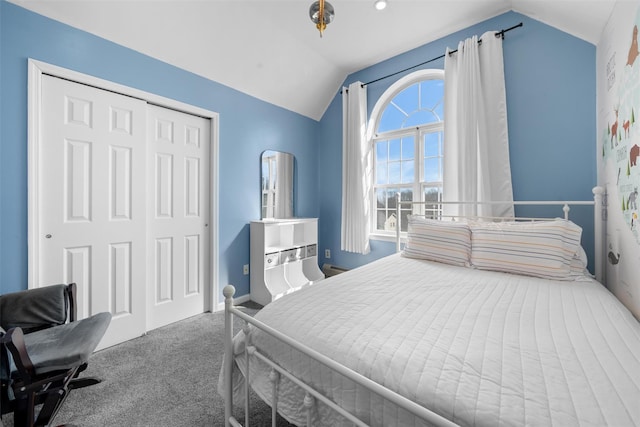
<point>633,50</point>
<point>611,71</point>
<point>619,148</point>
<point>613,258</point>
<point>620,143</point>
<point>633,155</point>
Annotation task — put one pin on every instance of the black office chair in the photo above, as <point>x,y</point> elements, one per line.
<point>43,350</point>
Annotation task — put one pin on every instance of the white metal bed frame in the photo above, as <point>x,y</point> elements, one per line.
<point>311,395</point>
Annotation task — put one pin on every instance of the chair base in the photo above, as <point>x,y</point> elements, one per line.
<point>77,383</point>
<point>50,393</point>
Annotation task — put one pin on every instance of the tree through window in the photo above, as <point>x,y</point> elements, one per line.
<point>407,147</point>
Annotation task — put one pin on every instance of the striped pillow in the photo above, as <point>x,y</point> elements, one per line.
<point>543,249</point>
<point>447,242</point>
<point>578,266</point>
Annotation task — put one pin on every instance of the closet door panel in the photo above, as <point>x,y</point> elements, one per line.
<point>92,214</point>
<point>179,150</point>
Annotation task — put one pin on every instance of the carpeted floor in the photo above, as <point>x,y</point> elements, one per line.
<point>166,378</point>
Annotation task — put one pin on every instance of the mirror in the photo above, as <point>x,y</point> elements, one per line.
<point>277,172</point>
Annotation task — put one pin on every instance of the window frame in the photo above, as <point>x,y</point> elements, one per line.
<point>417,132</point>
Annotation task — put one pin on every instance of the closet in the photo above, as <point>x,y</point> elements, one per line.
<point>120,203</point>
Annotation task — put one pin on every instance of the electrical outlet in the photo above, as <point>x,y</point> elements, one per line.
<point>245,269</point>
<point>327,253</point>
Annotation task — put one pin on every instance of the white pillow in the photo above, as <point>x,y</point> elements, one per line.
<point>443,241</point>
<point>543,249</point>
<point>579,271</point>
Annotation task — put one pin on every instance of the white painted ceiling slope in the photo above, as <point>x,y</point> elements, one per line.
<point>271,50</point>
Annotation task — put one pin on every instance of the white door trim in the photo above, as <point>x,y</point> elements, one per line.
<point>36,70</point>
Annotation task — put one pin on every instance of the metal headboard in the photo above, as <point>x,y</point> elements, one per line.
<point>597,203</point>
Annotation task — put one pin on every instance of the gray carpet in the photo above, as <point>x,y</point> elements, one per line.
<point>167,378</point>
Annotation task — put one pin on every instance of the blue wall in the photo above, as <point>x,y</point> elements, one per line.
<point>550,80</point>
<point>248,126</point>
<point>551,105</point>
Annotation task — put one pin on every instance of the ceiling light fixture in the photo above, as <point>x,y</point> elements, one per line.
<point>321,13</point>
<point>380,4</point>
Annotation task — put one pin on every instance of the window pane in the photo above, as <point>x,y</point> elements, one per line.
<point>391,222</point>
<point>394,172</point>
<point>432,193</point>
<point>381,198</point>
<point>407,148</point>
<point>408,167</point>
<point>391,198</point>
<point>381,151</point>
<point>433,211</point>
<point>386,207</point>
<point>432,169</point>
<point>265,174</point>
<point>381,217</point>
<point>404,224</point>
<point>439,111</point>
<point>407,100</point>
<point>391,119</point>
<point>406,195</point>
<point>432,144</point>
<point>394,149</point>
<point>381,173</point>
<point>431,92</point>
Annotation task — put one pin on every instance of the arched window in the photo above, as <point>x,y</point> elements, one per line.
<point>406,129</point>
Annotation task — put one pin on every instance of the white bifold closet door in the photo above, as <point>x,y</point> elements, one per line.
<point>124,206</point>
<point>92,201</point>
<point>179,211</point>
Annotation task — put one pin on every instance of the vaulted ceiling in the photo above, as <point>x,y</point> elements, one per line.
<point>271,50</point>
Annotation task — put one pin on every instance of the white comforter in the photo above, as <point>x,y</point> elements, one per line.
<point>477,347</point>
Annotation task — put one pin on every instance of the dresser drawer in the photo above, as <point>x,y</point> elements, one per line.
<point>272,259</point>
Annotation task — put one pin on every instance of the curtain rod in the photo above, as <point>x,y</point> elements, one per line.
<point>498,34</point>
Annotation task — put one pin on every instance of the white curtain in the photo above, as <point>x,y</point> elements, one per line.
<point>476,143</point>
<point>356,171</point>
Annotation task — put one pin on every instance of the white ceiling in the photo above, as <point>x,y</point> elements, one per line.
<point>271,50</point>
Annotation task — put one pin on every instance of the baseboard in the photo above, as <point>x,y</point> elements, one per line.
<point>332,270</point>
<point>236,301</point>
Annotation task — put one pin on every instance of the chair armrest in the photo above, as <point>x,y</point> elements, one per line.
<point>72,291</point>
<point>66,346</point>
<point>14,341</point>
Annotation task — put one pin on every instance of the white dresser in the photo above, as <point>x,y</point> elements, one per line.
<point>283,257</point>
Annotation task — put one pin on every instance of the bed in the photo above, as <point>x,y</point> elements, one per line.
<point>409,341</point>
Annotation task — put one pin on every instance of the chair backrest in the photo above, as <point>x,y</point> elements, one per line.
<point>38,308</point>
